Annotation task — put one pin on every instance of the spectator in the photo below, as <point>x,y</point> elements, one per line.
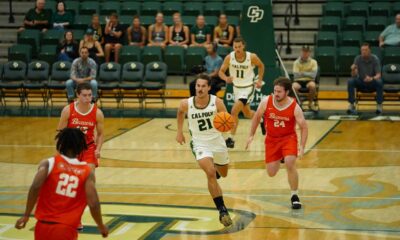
<point>61,18</point>
<point>113,37</point>
<point>200,33</point>
<point>305,71</point>
<point>68,48</point>
<point>136,33</point>
<point>366,75</point>
<point>391,35</point>
<point>96,29</point>
<point>178,33</point>
<point>158,32</point>
<point>83,69</point>
<point>223,32</point>
<point>37,18</point>
<point>93,46</point>
<point>213,63</point>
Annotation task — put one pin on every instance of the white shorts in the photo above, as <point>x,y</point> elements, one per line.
<point>215,149</point>
<point>246,93</point>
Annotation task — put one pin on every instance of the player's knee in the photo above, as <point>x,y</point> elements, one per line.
<point>211,173</point>
<point>311,85</point>
<point>296,86</point>
<point>272,173</point>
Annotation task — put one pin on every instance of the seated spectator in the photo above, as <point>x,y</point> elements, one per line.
<point>68,48</point>
<point>213,63</point>
<point>136,33</point>
<point>158,32</point>
<point>305,71</point>
<point>96,29</point>
<point>83,69</point>
<point>223,32</point>
<point>391,35</point>
<point>113,37</point>
<point>61,18</point>
<point>200,32</point>
<point>93,46</point>
<point>178,33</point>
<point>366,75</point>
<point>37,18</point>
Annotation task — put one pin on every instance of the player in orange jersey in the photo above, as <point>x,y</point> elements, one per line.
<point>62,188</point>
<point>281,113</point>
<point>87,117</point>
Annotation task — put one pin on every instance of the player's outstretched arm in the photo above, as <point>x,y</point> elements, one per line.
<point>220,105</point>
<point>255,60</point>
<point>180,117</point>
<point>256,120</point>
<point>224,67</point>
<point>33,194</point>
<point>94,204</point>
<point>63,123</point>
<point>100,132</point>
<point>301,121</point>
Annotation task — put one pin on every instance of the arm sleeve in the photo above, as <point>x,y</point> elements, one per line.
<point>73,69</point>
<point>385,32</point>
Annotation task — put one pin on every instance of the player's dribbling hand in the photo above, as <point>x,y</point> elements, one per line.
<point>180,138</point>
<point>229,79</point>
<point>20,224</point>
<point>249,140</point>
<point>258,84</point>
<point>104,231</point>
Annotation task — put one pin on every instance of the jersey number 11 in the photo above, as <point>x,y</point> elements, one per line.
<point>239,73</point>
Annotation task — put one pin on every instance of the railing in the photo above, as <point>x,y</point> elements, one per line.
<point>11,16</point>
<point>279,42</point>
<point>288,20</point>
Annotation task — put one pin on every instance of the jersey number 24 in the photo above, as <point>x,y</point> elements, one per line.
<point>278,123</point>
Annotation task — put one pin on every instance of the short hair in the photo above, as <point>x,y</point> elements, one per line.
<point>71,141</point>
<point>83,86</point>
<point>204,77</point>
<point>365,44</point>
<point>239,39</point>
<point>283,82</point>
<point>83,48</point>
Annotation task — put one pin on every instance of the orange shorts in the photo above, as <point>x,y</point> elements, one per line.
<point>277,149</point>
<point>89,156</point>
<point>54,231</point>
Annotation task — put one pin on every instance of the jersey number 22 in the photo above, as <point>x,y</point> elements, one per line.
<point>67,185</point>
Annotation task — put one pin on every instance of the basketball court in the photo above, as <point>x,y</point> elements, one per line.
<point>151,188</point>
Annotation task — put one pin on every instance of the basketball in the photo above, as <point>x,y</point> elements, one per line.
<point>223,122</point>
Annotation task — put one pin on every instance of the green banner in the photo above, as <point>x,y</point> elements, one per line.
<point>257,29</point>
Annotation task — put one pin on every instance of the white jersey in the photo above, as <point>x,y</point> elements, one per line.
<point>242,72</point>
<point>201,120</point>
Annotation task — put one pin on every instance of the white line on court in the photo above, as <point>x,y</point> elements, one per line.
<point>186,150</point>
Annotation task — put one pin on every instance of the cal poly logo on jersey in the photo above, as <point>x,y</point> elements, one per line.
<point>255,14</point>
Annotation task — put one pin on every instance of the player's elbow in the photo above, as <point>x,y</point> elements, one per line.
<point>93,203</point>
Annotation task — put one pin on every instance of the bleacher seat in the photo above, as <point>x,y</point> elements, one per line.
<point>30,37</point>
<point>48,53</point>
<point>131,82</point>
<point>233,8</point>
<point>345,59</point>
<point>376,23</point>
<point>334,9</point>
<point>391,81</point>
<point>89,8</point>
<point>36,81</point>
<point>224,51</point>
<point>108,7</point>
<point>154,83</point>
<point>52,37</point>
<point>151,54</point>
<point>359,9</point>
<point>60,73</point>
<point>351,38</point>
<point>372,37</point>
<point>130,8</point>
<point>82,22</point>
<point>73,7</point>
<point>11,83</point>
<point>326,58</point>
<point>169,8</point>
<point>20,52</point>
<point>391,55</point>
<point>129,53</point>
<point>193,8</point>
<point>150,8</point>
<point>174,57</point>
<point>109,77</point>
<point>194,57</point>
<point>330,23</point>
<point>380,9</point>
<point>326,39</point>
<point>355,23</point>
<point>213,8</point>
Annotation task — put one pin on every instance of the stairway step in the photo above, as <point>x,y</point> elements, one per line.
<point>19,8</point>
<point>303,9</point>
<point>305,23</point>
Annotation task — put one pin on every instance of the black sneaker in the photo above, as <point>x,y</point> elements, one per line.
<point>262,126</point>
<point>283,161</point>
<point>217,175</point>
<point>230,143</point>
<point>296,204</point>
<point>225,219</point>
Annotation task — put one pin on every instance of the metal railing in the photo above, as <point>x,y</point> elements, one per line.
<point>11,18</point>
<point>288,20</point>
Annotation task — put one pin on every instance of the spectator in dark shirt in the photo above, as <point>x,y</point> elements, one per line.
<point>223,32</point>
<point>158,32</point>
<point>178,32</point>
<point>61,18</point>
<point>366,75</point>
<point>200,32</point>
<point>68,49</point>
<point>96,29</point>
<point>37,18</point>
<point>113,37</point>
<point>136,33</point>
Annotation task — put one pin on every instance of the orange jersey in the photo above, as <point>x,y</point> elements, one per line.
<point>62,198</point>
<point>279,122</point>
<point>85,122</point>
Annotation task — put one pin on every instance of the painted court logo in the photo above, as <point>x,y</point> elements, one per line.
<point>255,14</point>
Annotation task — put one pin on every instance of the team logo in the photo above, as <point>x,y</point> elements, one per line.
<point>255,14</point>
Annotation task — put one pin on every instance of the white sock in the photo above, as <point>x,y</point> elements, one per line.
<point>295,192</point>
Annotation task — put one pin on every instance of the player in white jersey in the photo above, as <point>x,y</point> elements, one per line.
<point>208,145</point>
<point>241,66</point>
